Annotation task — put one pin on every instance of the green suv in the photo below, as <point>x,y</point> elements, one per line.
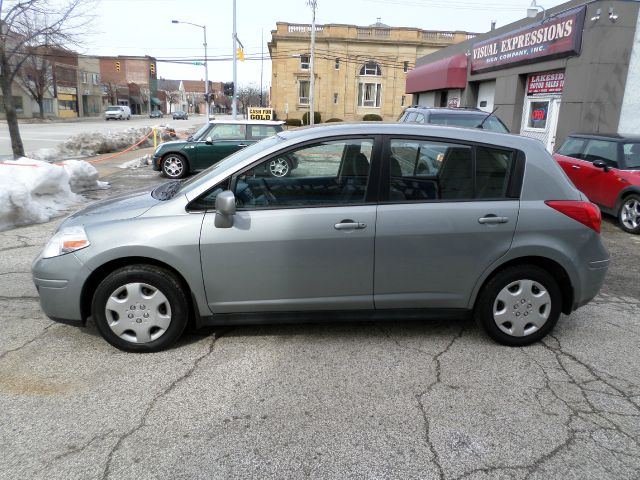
<point>213,142</point>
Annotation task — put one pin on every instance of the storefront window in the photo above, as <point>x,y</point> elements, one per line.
<point>538,114</point>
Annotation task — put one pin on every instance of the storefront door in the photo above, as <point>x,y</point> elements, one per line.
<point>542,107</point>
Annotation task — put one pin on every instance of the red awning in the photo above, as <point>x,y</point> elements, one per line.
<point>442,74</point>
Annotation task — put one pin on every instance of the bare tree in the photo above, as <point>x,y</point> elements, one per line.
<point>36,75</point>
<point>29,24</point>
<point>248,95</point>
<point>172,96</point>
<point>145,96</point>
<point>111,89</point>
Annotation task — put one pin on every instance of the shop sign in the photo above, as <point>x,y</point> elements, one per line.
<point>550,82</point>
<point>558,36</point>
<point>67,90</point>
<point>260,113</point>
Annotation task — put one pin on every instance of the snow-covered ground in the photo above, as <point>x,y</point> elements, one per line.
<point>34,191</point>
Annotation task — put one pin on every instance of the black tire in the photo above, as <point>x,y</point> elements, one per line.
<point>162,281</point>
<point>537,286</point>
<point>174,166</point>
<point>629,214</point>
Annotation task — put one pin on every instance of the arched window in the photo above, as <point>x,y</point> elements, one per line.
<point>371,69</point>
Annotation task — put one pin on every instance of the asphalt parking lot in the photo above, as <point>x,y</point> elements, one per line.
<point>428,400</point>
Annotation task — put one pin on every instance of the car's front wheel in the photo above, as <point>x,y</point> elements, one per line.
<point>629,214</point>
<point>174,166</point>
<point>140,308</point>
<point>279,168</point>
<point>519,305</point>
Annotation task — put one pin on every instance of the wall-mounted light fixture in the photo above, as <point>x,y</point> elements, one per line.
<point>613,16</point>
<point>596,17</point>
<point>534,9</point>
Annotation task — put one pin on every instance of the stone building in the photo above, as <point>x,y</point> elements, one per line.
<point>358,70</point>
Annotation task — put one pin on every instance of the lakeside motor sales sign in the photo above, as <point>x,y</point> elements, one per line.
<point>557,36</point>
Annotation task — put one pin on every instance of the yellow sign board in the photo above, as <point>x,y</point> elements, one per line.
<point>260,113</point>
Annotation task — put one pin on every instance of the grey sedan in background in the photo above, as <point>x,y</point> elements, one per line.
<point>492,229</point>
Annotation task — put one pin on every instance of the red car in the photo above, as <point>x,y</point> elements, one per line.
<point>606,168</point>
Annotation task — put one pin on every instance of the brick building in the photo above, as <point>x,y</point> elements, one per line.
<point>65,81</point>
<point>118,73</point>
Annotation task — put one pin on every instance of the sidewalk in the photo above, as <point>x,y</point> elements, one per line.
<point>110,166</point>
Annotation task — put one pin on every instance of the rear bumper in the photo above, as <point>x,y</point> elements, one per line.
<point>593,277</point>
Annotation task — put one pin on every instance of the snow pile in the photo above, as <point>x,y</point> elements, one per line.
<point>94,143</point>
<point>32,191</point>
<point>137,162</point>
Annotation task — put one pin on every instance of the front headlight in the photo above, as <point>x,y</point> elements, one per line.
<point>67,240</point>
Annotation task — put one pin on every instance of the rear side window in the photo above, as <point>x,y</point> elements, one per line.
<point>602,150</point>
<point>258,132</point>
<point>573,147</point>
<point>438,171</point>
<point>468,120</point>
<point>631,155</point>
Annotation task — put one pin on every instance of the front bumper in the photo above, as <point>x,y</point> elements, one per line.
<point>155,162</point>
<point>59,281</point>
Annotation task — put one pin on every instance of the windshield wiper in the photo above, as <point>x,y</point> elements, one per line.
<point>485,118</point>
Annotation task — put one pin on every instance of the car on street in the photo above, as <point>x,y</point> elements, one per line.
<point>214,141</point>
<point>606,168</point>
<point>180,115</point>
<point>156,114</point>
<point>453,117</point>
<point>117,112</point>
<point>498,232</point>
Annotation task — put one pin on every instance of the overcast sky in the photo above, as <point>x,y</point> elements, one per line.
<point>143,27</point>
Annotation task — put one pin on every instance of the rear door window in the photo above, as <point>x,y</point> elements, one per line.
<point>443,171</point>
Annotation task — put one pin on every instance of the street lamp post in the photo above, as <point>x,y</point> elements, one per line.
<point>206,66</point>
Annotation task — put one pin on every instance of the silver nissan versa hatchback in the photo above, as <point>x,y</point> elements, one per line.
<point>377,220</point>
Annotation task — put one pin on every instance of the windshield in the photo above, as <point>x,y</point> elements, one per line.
<point>201,131</point>
<point>111,109</point>
<point>469,121</point>
<point>230,161</point>
<point>631,155</point>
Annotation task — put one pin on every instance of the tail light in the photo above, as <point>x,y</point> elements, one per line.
<point>586,213</point>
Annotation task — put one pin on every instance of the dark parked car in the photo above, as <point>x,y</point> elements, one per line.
<point>156,114</point>
<point>213,142</point>
<point>497,232</point>
<point>606,168</point>
<point>180,115</point>
<point>454,117</point>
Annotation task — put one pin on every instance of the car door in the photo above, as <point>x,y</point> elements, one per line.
<point>599,186</point>
<point>303,242</point>
<point>436,233</point>
<point>570,157</point>
<point>226,138</point>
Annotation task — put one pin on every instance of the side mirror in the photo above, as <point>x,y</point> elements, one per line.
<point>225,209</point>
<point>208,140</point>
<point>601,164</point>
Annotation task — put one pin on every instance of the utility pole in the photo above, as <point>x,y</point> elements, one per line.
<point>206,74</point>
<point>312,80</point>
<point>234,100</point>
<point>261,62</point>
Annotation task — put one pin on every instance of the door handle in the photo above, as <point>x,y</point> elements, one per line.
<point>492,219</point>
<point>575,167</point>
<point>349,225</point>
<point>242,144</point>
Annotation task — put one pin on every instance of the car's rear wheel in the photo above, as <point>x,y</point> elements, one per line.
<point>140,308</point>
<point>519,305</point>
<point>279,168</point>
<point>174,166</point>
<point>629,214</point>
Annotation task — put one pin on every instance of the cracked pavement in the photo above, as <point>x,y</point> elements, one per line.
<point>396,399</point>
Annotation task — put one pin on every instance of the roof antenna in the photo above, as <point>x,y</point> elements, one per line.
<point>485,118</point>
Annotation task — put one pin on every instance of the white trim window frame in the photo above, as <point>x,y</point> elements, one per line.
<point>303,92</point>
<point>369,94</point>
<point>305,60</point>
<point>529,109</point>
<point>371,69</point>
<point>84,77</point>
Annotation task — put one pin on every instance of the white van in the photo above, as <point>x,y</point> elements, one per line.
<point>117,112</point>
